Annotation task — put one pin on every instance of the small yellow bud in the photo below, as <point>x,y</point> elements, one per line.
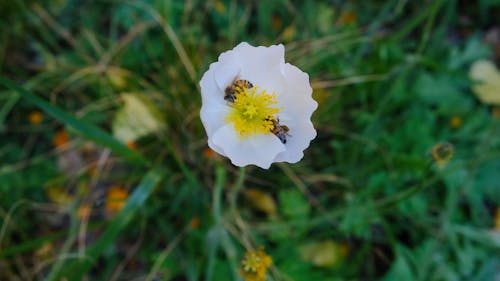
<point>276,22</point>
<point>456,122</point>
<point>289,33</point>
<point>219,7</point>
<point>254,265</point>
<point>195,222</point>
<point>61,138</point>
<point>442,153</point>
<point>131,145</point>
<point>261,201</point>
<point>117,77</point>
<point>348,17</point>
<point>116,199</point>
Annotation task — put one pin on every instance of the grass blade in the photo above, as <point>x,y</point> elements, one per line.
<point>76,270</point>
<point>87,130</point>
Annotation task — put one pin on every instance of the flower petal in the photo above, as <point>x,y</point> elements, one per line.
<point>258,150</point>
<point>301,134</point>
<point>214,108</point>
<point>298,99</point>
<point>227,69</point>
<point>215,147</point>
<point>262,65</point>
<point>210,92</point>
<point>213,116</point>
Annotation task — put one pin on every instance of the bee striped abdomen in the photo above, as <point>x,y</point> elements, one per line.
<point>281,131</point>
<point>237,86</point>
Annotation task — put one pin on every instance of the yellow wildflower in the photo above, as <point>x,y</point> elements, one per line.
<point>117,197</point>
<point>255,265</point>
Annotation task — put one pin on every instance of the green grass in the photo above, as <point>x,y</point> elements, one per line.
<point>389,76</point>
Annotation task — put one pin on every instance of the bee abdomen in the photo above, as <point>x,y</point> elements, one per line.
<point>237,87</point>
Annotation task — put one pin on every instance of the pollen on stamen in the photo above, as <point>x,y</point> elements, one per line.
<point>252,112</point>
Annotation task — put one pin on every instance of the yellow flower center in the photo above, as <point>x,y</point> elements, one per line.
<point>252,112</point>
<point>251,262</point>
<point>255,265</point>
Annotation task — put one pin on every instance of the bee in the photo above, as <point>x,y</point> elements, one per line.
<point>236,87</point>
<point>281,131</point>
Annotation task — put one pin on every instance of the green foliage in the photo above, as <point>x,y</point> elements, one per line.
<point>369,201</point>
<point>293,204</point>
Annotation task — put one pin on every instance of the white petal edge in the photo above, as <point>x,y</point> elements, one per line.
<point>213,116</point>
<point>214,108</point>
<point>298,107</point>
<point>301,135</point>
<point>262,65</point>
<point>215,147</point>
<point>259,150</point>
<point>297,101</point>
<point>227,69</point>
<point>210,92</point>
<point>218,76</point>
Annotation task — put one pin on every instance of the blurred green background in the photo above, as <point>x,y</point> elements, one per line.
<point>105,172</point>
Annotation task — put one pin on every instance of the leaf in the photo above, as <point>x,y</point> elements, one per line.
<point>85,129</point>
<point>442,91</point>
<point>474,50</point>
<point>138,117</point>
<point>261,201</point>
<point>323,254</point>
<point>487,237</point>
<point>488,77</point>
<point>486,181</point>
<point>400,269</point>
<point>293,204</point>
<point>77,269</point>
<point>58,195</point>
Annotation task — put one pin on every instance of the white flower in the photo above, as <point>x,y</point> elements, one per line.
<point>245,128</point>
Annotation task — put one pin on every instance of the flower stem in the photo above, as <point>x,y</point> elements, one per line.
<point>218,234</point>
<point>220,179</point>
<point>378,206</point>
<point>403,195</point>
<point>233,196</point>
